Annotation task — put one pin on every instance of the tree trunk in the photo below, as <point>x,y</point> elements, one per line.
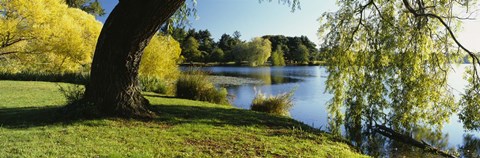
<point>113,87</point>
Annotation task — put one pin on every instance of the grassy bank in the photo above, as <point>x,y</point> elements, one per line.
<point>30,128</point>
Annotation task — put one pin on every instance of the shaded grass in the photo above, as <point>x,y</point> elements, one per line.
<point>184,128</point>
<point>147,84</point>
<point>76,78</point>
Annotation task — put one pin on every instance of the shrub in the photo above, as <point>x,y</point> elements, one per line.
<point>278,105</point>
<point>195,85</point>
<point>73,93</point>
<point>153,84</point>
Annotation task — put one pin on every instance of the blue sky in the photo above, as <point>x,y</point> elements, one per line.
<point>255,19</point>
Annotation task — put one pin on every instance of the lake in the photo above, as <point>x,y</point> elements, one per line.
<point>310,100</point>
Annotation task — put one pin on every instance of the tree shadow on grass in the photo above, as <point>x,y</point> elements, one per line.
<point>25,117</point>
<point>180,114</point>
<point>217,116</point>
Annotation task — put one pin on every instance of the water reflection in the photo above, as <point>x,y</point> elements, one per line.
<point>471,146</point>
<point>269,75</point>
<point>310,102</point>
<point>366,137</point>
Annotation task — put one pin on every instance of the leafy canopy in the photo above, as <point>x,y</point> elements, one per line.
<point>48,36</point>
<point>160,59</point>
<point>389,64</point>
<point>45,35</point>
<point>90,6</point>
<point>277,57</point>
<point>255,52</point>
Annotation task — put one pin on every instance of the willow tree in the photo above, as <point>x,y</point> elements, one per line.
<point>113,89</point>
<point>389,62</point>
<point>45,36</point>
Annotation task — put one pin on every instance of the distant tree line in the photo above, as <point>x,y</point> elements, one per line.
<point>295,50</point>
<point>199,46</point>
<point>90,6</point>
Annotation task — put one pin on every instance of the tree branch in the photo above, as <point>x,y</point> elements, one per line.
<point>7,53</point>
<point>470,53</point>
<point>359,22</point>
<point>414,12</point>
<point>7,44</point>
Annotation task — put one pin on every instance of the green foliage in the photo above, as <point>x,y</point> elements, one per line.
<point>190,50</point>
<point>277,57</point>
<point>205,40</point>
<point>158,68</point>
<point>179,34</point>
<point>154,84</point>
<point>30,128</point>
<point>197,46</point>
<point>90,6</point>
<point>227,43</point>
<point>278,105</point>
<point>72,93</point>
<point>387,64</point>
<point>47,36</point>
<point>74,78</point>
<point>295,49</point>
<point>302,54</point>
<point>470,103</point>
<point>196,86</point>
<point>255,52</point>
<point>217,55</point>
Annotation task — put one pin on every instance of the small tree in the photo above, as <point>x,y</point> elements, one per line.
<point>259,51</point>
<point>255,52</point>
<point>160,59</point>
<point>277,57</point>
<point>217,55</point>
<point>302,54</point>
<point>190,50</point>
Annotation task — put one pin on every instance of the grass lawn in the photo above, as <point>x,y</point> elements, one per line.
<point>29,128</point>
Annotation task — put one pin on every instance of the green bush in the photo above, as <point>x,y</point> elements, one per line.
<point>73,93</point>
<point>195,85</point>
<point>152,84</point>
<point>278,105</point>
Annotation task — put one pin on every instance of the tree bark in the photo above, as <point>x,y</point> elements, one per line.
<point>113,88</point>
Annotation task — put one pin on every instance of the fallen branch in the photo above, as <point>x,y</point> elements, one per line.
<point>392,134</point>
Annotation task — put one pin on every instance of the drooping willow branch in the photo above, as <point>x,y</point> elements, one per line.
<point>410,9</point>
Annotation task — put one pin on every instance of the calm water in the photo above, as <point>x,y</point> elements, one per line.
<point>310,101</point>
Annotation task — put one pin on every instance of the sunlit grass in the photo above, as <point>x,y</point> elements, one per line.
<point>30,127</point>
